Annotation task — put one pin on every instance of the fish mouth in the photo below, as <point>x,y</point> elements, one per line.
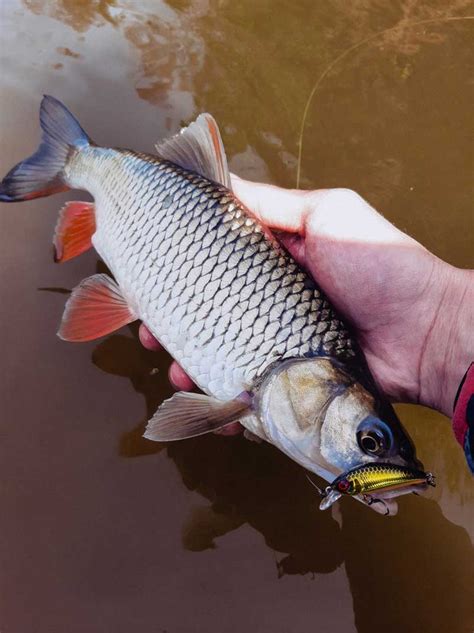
<point>412,463</point>
<point>407,452</point>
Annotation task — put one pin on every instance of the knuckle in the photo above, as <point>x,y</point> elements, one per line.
<point>335,208</point>
<point>342,198</point>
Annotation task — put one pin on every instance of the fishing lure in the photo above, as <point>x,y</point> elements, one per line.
<point>373,478</point>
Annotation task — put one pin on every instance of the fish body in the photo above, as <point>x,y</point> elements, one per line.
<point>218,291</point>
<point>250,327</point>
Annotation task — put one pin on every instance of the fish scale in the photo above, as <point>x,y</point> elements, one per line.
<point>211,284</point>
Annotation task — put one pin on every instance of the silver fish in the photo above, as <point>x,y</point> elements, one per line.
<point>214,286</point>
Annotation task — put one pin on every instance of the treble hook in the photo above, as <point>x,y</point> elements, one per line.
<point>371,500</point>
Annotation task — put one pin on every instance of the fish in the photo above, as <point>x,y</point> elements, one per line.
<point>384,479</point>
<point>250,326</point>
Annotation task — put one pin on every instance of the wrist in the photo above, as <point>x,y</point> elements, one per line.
<point>449,346</point>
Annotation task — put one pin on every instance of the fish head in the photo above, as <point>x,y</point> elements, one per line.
<point>359,427</point>
<point>315,411</point>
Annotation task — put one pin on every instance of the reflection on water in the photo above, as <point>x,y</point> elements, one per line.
<point>412,578</point>
<point>102,530</point>
<point>79,15</point>
<point>255,484</point>
<point>245,482</point>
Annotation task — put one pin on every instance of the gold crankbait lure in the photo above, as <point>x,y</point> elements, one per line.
<point>378,478</point>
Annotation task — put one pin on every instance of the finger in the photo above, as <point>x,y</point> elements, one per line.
<point>283,209</point>
<point>234,428</point>
<point>179,378</point>
<point>295,245</point>
<point>147,339</point>
<point>333,213</point>
<point>343,215</point>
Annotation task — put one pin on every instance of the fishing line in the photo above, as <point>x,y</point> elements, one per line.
<point>344,54</point>
<point>322,492</point>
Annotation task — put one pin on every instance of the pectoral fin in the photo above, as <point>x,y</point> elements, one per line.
<point>74,230</point>
<point>95,308</point>
<point>189,414</point>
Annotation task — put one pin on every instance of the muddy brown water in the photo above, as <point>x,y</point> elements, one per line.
<point>102,531</point>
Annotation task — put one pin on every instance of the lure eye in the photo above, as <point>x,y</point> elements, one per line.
<point>374,436</point>
<point>343,485</point>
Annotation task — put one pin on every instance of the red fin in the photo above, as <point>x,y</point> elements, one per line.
<point>74,230</point>
<point>219,152</point>
<point>95,308</point>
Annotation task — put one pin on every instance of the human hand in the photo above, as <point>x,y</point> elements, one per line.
<point>412,312</point>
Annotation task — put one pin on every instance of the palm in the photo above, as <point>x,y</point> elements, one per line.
<point>374,288</point>
<point>365,266</point>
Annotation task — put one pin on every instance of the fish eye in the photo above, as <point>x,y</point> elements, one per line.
<point>370,442</point>
<point>374,436</point>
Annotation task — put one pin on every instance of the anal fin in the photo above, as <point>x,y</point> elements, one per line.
<point>190,414</point>
<point>74,230</point>
<point>95,308</point>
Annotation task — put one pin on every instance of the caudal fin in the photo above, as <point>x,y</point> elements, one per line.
<point>42,173</point>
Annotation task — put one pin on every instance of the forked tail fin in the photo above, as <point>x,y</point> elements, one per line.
<point>42,173</point>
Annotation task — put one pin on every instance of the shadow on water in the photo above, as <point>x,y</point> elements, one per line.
<point>245,482</point>
<point>415,576</point>
<point>411,577</point>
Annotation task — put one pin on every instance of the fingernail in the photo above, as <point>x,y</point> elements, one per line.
<point>147,339</point>
<point>179,378</point>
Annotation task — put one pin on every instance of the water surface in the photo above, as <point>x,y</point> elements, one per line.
<point>102,531</point>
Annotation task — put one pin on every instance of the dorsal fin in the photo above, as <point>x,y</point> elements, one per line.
<point>198,148</point>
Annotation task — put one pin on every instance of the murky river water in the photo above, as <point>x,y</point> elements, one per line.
<point>103,531</point>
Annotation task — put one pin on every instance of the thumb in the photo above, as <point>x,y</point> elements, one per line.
<point>281,209</point>
<point>339,214</point>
